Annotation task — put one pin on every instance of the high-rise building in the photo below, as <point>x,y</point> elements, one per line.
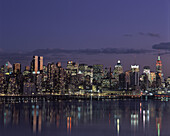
<point>153,77</point>
<point>40,63</point>
<point>127,79</point>
<point>118,69</point>
<point>86,71</point>
<point>97,72</point>
<point>16,68</point>
<point>134,77</point>
<point>72,68</point>
<point>159,65</point>
<point>37,64</point>
<point>34,65</point>
<point>159,69</point>
<point>147,71</point>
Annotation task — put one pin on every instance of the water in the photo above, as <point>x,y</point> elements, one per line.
<point>85,118</point>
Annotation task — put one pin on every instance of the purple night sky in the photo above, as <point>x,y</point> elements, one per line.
<point>27,25</point>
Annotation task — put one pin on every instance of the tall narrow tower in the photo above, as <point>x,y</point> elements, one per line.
<point>159,78</point>
<point>159,65</point>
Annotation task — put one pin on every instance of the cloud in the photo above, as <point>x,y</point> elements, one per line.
<point>63,55</point>
<point>153,35</point>
<point>162,46</point>
<point>90,51</point>
<point>149,34</point>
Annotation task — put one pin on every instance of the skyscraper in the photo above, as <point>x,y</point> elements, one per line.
<point>72,68</point>
<point>159,69</point>
<point>147,71</point>
<point>134,77</point>
<point>159,65</point>
<point>118,69</point>
<point>17,68</point>
<point>40,63</point>
<point>37,64</point>
<point>97,72</point>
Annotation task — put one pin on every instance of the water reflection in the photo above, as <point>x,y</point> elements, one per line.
<point>80,118</point>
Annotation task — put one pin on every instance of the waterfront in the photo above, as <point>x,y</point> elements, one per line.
<point>133,117</point>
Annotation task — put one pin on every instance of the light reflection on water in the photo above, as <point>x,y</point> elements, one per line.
<point>82,118</point>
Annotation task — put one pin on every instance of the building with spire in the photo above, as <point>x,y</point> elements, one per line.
<point>159,74</point>
<point>159,65</point>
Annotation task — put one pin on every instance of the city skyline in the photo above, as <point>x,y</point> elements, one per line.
<point>79,78</point>
<point>84,67</point>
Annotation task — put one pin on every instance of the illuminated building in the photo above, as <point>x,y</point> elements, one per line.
<point>106,73</point>
<point>108,81</point>
<point>168,80</point>
<point>158,80</point>
<point>71,76</point>
<point>159,74</point>
<point>105,83</point>
<point>40,63</point>
<point>118,69</point>
<point>27,68</point>
<point>97,73</point>
<point>2,83</point>
<point>51,70</point>
<point>29,88</point>
<point>12,85</point>
<point>34,65</point>
<point>144,81</point>
<point>135,68</point>
<point>16,68</point>
<point>72,68</point>
<point>153,77</point>
<point>147,71</point>
<point>26,71</point>
<point>153,80</point>
<point>37,64</point>
<point>86,71</point>
<point>159,65</point>
<point>134,76</point>
<point>58,64</point>
<point>159,69</point>
<point>127,79</point>
<point>8,68</point>
<point>60,75</point>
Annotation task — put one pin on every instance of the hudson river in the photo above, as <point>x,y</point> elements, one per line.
<point>128,117</point>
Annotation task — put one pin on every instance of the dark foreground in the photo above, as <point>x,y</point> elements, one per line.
<point>110,117</point>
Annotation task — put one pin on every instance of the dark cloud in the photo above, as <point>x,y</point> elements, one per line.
<point>90,51</point>
<point>156,35</point>
<point>63,55</point>
<point>63,52</point>
<point>153,35</point>
<point>162,46</point>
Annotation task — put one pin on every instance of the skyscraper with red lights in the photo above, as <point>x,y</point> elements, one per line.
<point>159,65</point>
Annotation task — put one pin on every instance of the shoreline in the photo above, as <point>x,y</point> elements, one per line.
<point>82,97</point>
